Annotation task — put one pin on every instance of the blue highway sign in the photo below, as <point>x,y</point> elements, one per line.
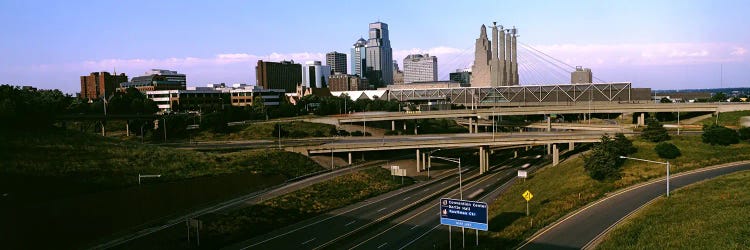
<point>461,213</point>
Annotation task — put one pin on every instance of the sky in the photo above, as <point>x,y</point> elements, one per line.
<point>656,44</point>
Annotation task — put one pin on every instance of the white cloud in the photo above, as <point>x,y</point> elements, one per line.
<point>738,51</point>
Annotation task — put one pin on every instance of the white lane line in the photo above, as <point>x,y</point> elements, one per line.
<point>442,182</point>
<point>382,245</point>
<point>303,243</point>
<point>412,228</point>
<point>425,233</point>
<point>381,209</point>
<point>426,189</point>
<point>407,197</point>
<point>347,224</point>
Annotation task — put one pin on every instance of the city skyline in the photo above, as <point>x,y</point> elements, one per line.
<point>664,45</point>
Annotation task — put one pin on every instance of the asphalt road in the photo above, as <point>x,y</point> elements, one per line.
<point>328,227</point>
<point>420,228</point>
<point>583,227</point>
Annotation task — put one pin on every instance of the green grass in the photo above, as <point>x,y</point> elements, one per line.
<point>713,214</point>
<point>111,162</point>
<point>244,223</point>
<point>562,189</point>
<point>258,131</point>
<point>728,118</point>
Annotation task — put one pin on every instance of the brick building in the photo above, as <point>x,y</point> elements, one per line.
<point>99,84</point>
<point>343,82</point>
<point>278,75</point>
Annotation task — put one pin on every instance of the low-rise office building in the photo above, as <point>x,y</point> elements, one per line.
<point>213,97</point>
<point>156,79</point>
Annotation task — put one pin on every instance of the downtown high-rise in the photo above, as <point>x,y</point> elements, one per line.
<point>379,55</point>
<point>420,68</point>
<point>358,57</point>
<point>337,62</point>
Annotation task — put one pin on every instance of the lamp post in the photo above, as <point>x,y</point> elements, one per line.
<point>460,187</point>
<point>665,163</point>
<point>429,161</point>
<point>456,160</point>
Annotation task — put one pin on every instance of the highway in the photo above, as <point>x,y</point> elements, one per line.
<point>352,144</point>
<point>583,228</point>
<point>418,229</point>
<point>320,229</point>
<point>341,223</point>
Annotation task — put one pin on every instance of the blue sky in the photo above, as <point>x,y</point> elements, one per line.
<point>658,44</point>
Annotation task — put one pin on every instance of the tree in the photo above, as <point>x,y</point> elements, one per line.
<point>654,131</point>
<point>744,133</point>
<point>279,131</point>
<point>622,145</point>
<point>603,162</point>
<point>719,135</point>
<point>719,97</point>
<point>667,150</point>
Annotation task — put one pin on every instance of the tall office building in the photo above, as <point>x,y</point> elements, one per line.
<point>461,76</point>
<point>420,68</point>
<point>379,55</point>
<point>398,75</point>
<point>337,62</point>
<point>100,84</point>
<point>315,75</point>
<point>284,75</point>
<point>157,79</point>
<point>495,62</point>
<point>359,56</point>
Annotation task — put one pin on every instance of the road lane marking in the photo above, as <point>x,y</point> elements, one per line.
<point>427,189</point>
<point>310,240</point>
<point>449,194</point>
<point>382,245</point>
<point>345,212</point>
<point>407,197</point>
<point>425,233</point>
<point>412,228</point>
<point>347,224</point>
<point>622,191</point>
<point>381,209</point>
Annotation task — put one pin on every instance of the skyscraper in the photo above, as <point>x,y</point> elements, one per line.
<point>496,62</point>
<point>337,62</point>
<point>315,75</point>
<point>420,68</point>
<point>379,55</point>
<point>278,75</point>
<point>358,58</point>
<point>480,76</point>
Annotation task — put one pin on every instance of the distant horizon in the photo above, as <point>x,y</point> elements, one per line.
<point>662,45</point>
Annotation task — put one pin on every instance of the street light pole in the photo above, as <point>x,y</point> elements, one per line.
<point>665,163</point>
<point>460,179</point>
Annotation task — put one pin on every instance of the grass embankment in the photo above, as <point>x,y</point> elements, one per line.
<point>562,189</point>
<point>244,223</point>
<point>712,214</point>
<point>110,162</point>
<point>731,119</point>
<point>258,131</point>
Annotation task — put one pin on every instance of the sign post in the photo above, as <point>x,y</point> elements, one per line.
<point>464,214</point>
<point>527,196</point>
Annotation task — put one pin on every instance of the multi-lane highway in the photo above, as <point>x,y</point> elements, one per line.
<point>341,227</point>
<point>418,229</point>
<point>582,228</point>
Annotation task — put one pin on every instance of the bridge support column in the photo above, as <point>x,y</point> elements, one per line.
<point>471,126</point>
<point>571,145</point>
<point>424,161</point>
<point>549,124</point>
<point>549,149</point>
<point>481,160</point>
<point>393,125</point>
<point>642,119</point>
<point>404,125</point>
<point>350,158</point>
<point>555,155</point>
<point>515,154</point>
<point>484,159</point>
<point>418,161</point>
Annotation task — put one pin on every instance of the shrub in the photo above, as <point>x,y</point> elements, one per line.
<point>604,160</point>
<point>391,132</point>
<point>667,150</point>
<point>719,135</point>
<point>357,133</point>
<point>654,131</point>
<point>744,133</point>
<point>622,145</point>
